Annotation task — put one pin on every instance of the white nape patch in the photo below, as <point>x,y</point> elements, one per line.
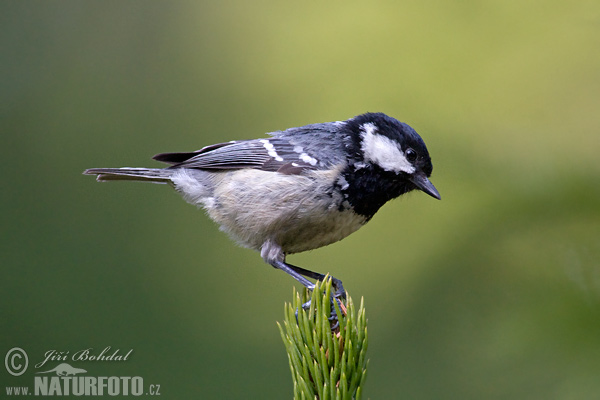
<point>383,151</point>
<point>270,149</point>
<point>308,159</point>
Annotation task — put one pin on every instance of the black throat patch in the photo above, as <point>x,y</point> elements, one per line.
<point>371,187</point>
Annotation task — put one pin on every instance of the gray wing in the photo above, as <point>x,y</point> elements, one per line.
<point>272,154</point>
<point>290,152</point>
<point>221,156</point>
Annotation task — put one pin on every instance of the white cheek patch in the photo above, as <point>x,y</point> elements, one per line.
<point>383,151</point>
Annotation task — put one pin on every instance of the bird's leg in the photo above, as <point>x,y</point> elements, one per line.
<point>273,254</point>
<point>300,273</point>
<point>291,270</point>
<point>337,284</point>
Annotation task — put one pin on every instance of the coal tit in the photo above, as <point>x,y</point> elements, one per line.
<point>301,188</point>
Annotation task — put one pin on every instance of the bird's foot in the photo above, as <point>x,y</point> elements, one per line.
<point>339,296</point>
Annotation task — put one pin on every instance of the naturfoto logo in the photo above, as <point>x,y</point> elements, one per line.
<point>66,380</point>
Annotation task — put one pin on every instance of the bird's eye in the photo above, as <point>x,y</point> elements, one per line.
<point>411,155</point>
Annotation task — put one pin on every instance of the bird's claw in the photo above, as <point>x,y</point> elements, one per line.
<point>338,296</point>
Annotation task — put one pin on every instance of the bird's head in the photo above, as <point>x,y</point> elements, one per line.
<point>386,144</point>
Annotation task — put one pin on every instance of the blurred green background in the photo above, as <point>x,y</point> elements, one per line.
<point>491,293</point>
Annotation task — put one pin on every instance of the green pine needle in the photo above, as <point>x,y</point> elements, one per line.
<point>325,364</point>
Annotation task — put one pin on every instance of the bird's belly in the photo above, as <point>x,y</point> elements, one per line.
<point>318,232</point>
<point>298,212</point>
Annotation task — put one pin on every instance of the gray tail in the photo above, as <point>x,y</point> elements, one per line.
<point>156,175</point>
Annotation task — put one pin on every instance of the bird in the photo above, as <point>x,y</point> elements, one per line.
<point>298,189</point>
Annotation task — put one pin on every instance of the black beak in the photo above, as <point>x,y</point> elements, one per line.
<point>423,184</point>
